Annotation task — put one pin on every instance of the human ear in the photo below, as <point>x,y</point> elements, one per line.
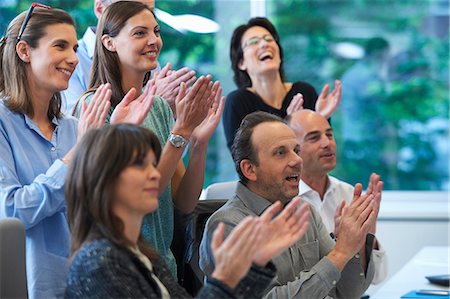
<point>108,43</point>
<point>23,51</point>
<point>248,169</point>
<point>242,66</point>
<point>98,8</point>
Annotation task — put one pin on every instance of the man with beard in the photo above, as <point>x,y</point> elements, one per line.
<point>266,156</point>
<point>328,194</point>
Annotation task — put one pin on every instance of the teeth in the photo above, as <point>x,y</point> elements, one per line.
<point>68,73</point>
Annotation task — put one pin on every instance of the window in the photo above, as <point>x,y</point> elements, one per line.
<point>392,58</point>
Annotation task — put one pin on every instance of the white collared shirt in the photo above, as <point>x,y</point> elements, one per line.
<point>336,192</point>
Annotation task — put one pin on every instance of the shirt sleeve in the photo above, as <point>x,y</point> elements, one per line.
<point>380,262</point>
<point>36,201</point>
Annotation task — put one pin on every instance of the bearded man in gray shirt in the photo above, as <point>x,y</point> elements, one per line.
<point>266,155</point>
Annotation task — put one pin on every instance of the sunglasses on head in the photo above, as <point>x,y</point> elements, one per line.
<point>28,16</point>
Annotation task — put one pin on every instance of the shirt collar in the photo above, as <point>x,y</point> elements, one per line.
<point>251,200</point>
<point>32,125</point>
<point>89,39</point>
<point>304,188</point>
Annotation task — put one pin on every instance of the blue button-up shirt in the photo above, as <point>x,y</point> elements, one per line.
<point>32,180</point>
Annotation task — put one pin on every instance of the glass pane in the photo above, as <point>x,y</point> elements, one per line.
<point>392,58</point>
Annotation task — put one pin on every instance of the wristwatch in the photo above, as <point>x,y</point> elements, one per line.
<point>177,140</point>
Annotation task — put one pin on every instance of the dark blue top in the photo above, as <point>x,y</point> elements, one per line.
<point>242,102</point>
<point>102,269</point>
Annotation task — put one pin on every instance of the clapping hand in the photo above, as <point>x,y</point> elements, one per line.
<point>375,188</point>
<point>134,111</point>
<point>168,83</point>
<point>357,219</point>
<point>203,132</point>
<point>93,116</point>
<point>326,103</point>
<point>233,257</point>
<point>279,232</point>
<point>296,104</point>
<point>192,106</point>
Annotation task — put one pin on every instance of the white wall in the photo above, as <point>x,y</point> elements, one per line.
<point>409,221</point>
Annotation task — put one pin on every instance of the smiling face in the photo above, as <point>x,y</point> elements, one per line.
<point>277,175</point>
<point>138,43</point>
<point>261,52</point>
<point>137,189</point>
<point>53,61</point>
<point>318,147</point>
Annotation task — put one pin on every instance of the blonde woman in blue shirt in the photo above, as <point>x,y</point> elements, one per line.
<point>37,140</point>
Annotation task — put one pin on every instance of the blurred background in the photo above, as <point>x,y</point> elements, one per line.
<point>392,57</point>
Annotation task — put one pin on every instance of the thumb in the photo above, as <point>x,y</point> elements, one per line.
<point>128,98</point>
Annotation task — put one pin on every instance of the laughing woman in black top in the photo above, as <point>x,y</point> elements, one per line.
<point>257,61</point>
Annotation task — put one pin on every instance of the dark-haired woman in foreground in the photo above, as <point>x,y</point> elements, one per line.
<point>112,184</point>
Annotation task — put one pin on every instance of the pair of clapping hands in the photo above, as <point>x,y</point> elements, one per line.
<point>326,103</point>
<point>198,107</point>
<point>257,240</point>
<point>354,221</point>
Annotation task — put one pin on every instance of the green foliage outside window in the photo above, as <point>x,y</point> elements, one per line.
<point>413,103</point>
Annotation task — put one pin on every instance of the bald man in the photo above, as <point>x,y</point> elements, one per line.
<point>326,193</point>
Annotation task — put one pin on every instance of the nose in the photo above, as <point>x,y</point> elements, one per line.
<point>153,173</point>
<point>73,58</point>
<point>296,160</point>
<point>324,141</point>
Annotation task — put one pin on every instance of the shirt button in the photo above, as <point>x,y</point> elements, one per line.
<point>53,149</point>
<point>357,255</point>
<point>334,282</point>
<point>361,274</point>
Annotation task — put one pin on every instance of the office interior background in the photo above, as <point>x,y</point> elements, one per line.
<point>405,108</point>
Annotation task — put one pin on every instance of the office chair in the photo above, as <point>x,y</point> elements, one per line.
<point>193,275</point>
<point>13,277</point>
<point>223,190</point>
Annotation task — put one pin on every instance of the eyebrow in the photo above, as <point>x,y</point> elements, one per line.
<point>309,134</point>
<point>140,27</point>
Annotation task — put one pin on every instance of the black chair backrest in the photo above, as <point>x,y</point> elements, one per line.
<point>193,275</point>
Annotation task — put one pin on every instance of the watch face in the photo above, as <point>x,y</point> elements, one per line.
<point>177,140</point>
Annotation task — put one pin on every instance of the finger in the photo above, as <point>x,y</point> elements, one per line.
<point>339,91</point>
<point>270,212</point>
<point>289,210</point>
<point>163,72</point>
<point>365,209</point>
<point>356,193</point>
<point>179,73</point>
<point>236,237</point>
<point>301,214</point>
<point>365,227</point>
<point>97,107</point>
<point>219,111</point>
<point>324,91</point>
<point>339,209</point>
<point>93,105</point>
<point>128,98</point>
<point>181,93</point>
<point>200,83</point>
<point>191,80</point>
